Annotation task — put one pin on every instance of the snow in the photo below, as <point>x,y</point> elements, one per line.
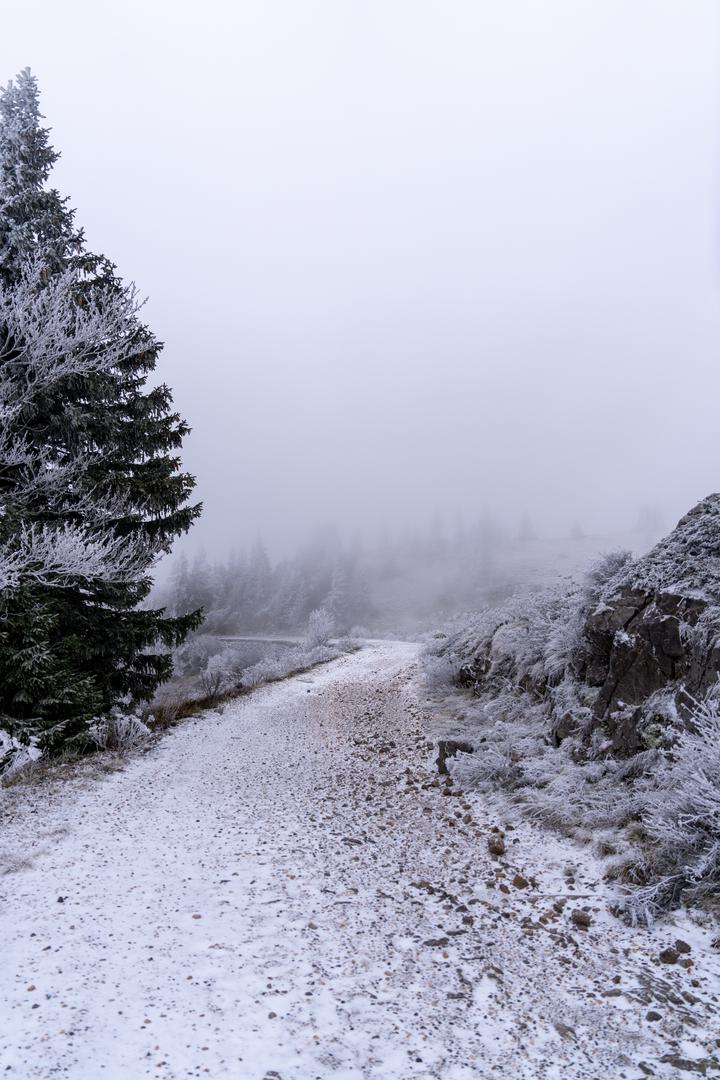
<point>285,889</point>
<point>687,562</point>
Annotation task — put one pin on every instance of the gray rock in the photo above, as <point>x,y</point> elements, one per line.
<point>450,748</point>
<point>496,844</point>
<point>654,628</point>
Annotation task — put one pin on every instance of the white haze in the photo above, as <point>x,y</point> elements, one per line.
<point>407,257</point>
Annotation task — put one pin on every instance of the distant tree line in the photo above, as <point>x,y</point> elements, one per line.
<point>406,582</point>
<point>420,574</point>
<point>249,593</point>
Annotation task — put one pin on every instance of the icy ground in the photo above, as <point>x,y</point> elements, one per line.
<point>285,890</point>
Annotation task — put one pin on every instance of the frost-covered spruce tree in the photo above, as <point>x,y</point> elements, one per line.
<point>88,462</point>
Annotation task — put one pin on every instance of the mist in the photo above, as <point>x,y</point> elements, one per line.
<point>408,259</point>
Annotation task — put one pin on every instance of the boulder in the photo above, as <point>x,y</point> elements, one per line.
<point>450,748</point>
<point>656,629</point>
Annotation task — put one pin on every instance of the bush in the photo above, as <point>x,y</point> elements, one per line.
<point>222,673</point>
<point>121,732</point>
<point>267,670</point>
<point>681,819</point>
<point>293,660</point>
<point>440,671</point>
<point>320,626</point>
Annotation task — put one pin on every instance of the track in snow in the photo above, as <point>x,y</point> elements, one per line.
<point>283,890</point>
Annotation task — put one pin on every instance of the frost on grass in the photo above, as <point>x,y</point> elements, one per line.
<point>316,648</point>
<point>121,732</point>
<point>279,667</point>
<point>681,819</point>
<point>596,705</point>
<point>209,668</point>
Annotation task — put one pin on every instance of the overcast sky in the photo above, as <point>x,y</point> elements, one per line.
<point>408,255</point>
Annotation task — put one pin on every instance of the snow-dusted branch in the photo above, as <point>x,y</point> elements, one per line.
<point>60,556</point>
<point>50,330</point>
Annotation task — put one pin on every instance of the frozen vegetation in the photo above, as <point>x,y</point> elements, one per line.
<point>208,669</point>
<point>597,706</point>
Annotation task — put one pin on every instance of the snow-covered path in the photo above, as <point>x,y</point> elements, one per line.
<point>285,890</point>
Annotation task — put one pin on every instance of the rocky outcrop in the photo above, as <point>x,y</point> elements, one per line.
<point>613,659</point>
<point>656,629</point>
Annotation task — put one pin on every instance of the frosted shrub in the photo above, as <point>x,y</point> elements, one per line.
<point>214,677</point>
<point>121,732</point>
<point>320,654</point>
<point>288,663</point>
<point>603,569</point>
<point>266,670</point>
<point>348,643</point>
<point>222,672</point>
<point>682,818</point>
<point>440,671</point>
<point>320,626</point>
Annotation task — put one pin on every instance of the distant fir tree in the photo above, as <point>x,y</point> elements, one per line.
<point>76,643</point>
<point>336,600</point>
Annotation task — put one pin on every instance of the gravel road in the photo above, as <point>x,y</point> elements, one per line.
<point>284,888</point>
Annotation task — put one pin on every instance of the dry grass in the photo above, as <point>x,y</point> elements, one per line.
<point>166,714</point>
<point>64,768</point>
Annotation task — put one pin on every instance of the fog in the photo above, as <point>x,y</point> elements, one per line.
<point>408,258</point>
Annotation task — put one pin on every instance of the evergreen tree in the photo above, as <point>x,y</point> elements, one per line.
<point>259,585</point>
<point>336,601</point>
<point>34,220</point>
<point>71,649</point>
